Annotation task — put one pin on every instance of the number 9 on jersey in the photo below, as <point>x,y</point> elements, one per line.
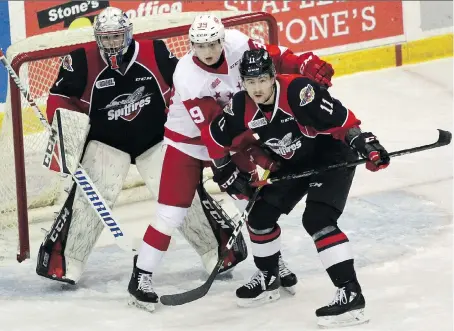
<point>197,115</point>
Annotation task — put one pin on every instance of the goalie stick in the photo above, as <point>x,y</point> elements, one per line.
<point>444,138</point>
<point>80,176</point>
<point>199,292</point>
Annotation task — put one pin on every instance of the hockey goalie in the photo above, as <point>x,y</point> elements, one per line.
<point>108,106</point>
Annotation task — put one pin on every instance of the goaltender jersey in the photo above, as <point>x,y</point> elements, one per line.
<point>127,106</point>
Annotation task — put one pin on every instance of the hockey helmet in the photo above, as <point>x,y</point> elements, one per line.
<point>206,29</point>
<point>113,34</point>
<point>256,62</point>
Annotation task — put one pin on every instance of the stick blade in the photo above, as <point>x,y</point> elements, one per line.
<point>444,137</point>
<point>178,299</point>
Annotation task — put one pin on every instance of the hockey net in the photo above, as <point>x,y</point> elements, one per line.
<point>28,191</point>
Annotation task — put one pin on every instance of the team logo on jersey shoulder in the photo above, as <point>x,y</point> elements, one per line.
<point>105,83</point>
<point>307,95</point>
<point>67,63</point>
<point>228,108</point>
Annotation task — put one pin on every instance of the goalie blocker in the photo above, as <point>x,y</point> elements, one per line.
<point>76,228</point>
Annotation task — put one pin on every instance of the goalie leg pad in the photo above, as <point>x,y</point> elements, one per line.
<point>197,230</point>
<point>66,142</point>
<point>107,167</point>
<point>149,166</point>
<point>215,229</point>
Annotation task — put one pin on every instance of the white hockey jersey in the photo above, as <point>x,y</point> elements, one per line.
<point>200,92</point>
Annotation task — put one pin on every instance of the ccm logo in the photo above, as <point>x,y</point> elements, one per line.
<point>141,79</point>
<point>62,218</point>
<point>214,213</point>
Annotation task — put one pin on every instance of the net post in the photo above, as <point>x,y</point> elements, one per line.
<point>19,163</point>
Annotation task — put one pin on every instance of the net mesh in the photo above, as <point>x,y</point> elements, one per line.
<point>38,71</point>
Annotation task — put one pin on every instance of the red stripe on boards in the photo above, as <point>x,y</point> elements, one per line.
<point>398,49</point>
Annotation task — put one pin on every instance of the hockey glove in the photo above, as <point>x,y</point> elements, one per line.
<point>316,69</point>
<point>231,180</point>
<point>367,145</point>
<point>262,158</point>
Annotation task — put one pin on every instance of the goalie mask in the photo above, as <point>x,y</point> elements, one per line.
<point>113,34</point>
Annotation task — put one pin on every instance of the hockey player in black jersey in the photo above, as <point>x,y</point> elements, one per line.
<point>121,87</point>
<point>289,124</point>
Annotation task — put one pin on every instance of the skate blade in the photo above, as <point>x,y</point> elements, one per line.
<point>353,317</point>
<point>147,306</point>
<point>264,298</point>
<point>290,289</point>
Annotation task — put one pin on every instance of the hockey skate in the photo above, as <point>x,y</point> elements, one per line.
<point>288,278</point>
<point>140,289</point>
<point>346,309</point>
<point>262,288</point>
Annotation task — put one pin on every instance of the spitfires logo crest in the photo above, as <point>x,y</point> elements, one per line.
<point>128,106</point>
<point>284,147</point>
<point>307,95</point>
<point>67,63</point>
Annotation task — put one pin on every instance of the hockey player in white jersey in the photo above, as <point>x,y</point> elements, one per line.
<point>205,81</point>
<point>123,85</point>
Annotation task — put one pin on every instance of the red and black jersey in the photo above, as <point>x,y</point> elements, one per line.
<point>127,107</point>
<point>302,110</point>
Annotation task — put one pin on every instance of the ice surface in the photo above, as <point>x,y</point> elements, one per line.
<point>398,220</point>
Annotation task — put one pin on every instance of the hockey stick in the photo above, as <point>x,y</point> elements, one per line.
<point>80,176</point>
<point>444,138</point>
<point>199,292</point>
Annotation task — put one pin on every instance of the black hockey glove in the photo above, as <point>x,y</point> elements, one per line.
<point>231,180</point>
<point>367,145</point>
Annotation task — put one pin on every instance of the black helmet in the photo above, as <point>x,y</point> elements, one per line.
<point>256,62</point>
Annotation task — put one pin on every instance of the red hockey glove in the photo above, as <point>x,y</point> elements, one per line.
<point>367,145</point>
<point>316,69</point>
<point>261,158</point>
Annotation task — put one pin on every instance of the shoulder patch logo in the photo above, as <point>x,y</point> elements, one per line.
<point>257,123</point>
<point>105,83</point>
<point>215,83</point>
<point>307,95</point>
<point>228,108</point>
<point>67,63</point>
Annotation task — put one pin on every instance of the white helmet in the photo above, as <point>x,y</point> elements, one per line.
<point>113,34</point>
<point>205,29</point>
